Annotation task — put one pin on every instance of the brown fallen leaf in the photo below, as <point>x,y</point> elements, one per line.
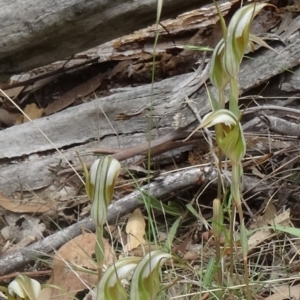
<point>261,235</point>
<point>33,112</point>
<point>286,292</point>
<point>69,97</point>
<point>135,230</point>
<point>268,215</point>
<point>189,255</point>
<point>18,206</point>
<point>68,261</point>
<point>120,67</point>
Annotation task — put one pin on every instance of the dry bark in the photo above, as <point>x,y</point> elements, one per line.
<point>91,126</point>
<point>139,45</point>
<point>35,33</point>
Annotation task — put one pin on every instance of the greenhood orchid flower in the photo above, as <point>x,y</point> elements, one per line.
<point>145,282</point>
<point>218,75</point>
<point>232,142</point>
<point>25,288</point>
<point>237,39</point>
<point>110,286</point>
<point>100,186</point>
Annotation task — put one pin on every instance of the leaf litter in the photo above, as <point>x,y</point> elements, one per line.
<point>265,241</point>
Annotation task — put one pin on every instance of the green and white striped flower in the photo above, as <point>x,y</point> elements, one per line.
<point>100,185</point>
<point>110,286</point>
<point>232,140</point>
<point>145,283</point>
<point>25,288</point>
<point>238,34</point>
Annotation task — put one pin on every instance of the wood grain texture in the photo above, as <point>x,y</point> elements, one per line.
<point>37,32</point>
<point>91,129</point>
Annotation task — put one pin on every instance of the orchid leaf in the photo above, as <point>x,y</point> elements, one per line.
<point>262,43</point>
<point>159,9</point>
<point>88,188</point>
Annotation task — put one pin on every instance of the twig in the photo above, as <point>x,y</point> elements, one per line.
<point>163,144</point>
<point>162,186</point>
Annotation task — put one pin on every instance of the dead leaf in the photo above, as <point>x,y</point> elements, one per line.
<point>162,236</point>
<point>27,82</point>
<point>135,229</point>
<point>19,206</point>
<point>73,255</point>
<point>33,112</point>
<point>69,97</point>
<point>286,292</point>
<point>141,251</point>
<point>120,67</point>
<point>189,255</point>
<point>261,235</point>
<point>270,213</point>
<point>263,220</point>
<point>39,83</point>
<point>21,227</point>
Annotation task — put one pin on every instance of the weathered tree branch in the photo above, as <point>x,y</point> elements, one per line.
<point>159,188</point>
<point>37,32</point>
<point>168,101</point>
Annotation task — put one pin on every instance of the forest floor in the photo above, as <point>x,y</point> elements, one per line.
<point>102,102</point>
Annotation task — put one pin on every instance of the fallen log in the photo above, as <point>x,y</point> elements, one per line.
<point>36,33</point>
<point>168,102</point>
